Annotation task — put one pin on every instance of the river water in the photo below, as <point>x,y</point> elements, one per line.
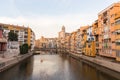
<point>57,67</point>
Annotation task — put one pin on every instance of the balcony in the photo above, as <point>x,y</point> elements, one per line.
<point>118,47</point>
<point>106,36</point>
<point>112,37</point>
<point>116,27</point>
<point>117,15</point>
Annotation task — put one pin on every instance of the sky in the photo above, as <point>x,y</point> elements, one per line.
<point>46,17</point>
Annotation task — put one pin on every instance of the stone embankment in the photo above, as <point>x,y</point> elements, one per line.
<point>99,61</point>
<point>6,63</point>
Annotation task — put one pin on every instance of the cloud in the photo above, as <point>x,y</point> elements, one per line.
<point>49,26</point>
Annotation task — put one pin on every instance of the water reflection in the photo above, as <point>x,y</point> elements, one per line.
<point>21,71</point>
<point>56,67</point>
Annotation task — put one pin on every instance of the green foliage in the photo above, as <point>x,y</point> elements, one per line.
<point>24,49</point>
<point>12,36</point>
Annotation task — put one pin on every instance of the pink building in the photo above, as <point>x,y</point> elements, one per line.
<point>3,42</point>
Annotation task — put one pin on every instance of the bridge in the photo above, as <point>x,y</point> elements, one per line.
<point>46,50</point>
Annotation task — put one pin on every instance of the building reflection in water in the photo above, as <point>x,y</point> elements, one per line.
<point>56,67</point>
<point>21,71</point>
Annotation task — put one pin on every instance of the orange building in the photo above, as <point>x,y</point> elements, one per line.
<point>96,33</point>
<point>109,29</point>
<point>83,34</point>
<point>72,42</point>
<point>67,43</point>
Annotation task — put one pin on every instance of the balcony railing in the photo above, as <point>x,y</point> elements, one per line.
<point>114,28</point>
<point>117,15</point>
<point>117,37</point>
<point>118,47</point>
<point>117,27</point>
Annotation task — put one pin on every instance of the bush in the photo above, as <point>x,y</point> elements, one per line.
<point>24,49</point>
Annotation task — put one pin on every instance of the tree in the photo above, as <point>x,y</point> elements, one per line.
<point>12,36</point>
<point>24,48</point>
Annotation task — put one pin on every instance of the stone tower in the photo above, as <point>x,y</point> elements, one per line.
<point>63,28</point>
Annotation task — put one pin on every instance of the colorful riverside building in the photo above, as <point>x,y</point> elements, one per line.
<point>67,43</point>
<point>96,34</point>
<point>25,34</point>
<point>3,43</point>
<point>73,42</point>
<point>102,38</point>
<point>90,49</point>
<point>109,26</point>
<point>83,36</point>
<point>78,40</point>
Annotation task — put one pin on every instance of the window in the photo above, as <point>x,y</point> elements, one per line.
<point>92,39</point>
<point>2,46</point>
<point>0,33</point>
<point>89,46</point>
<point>118,53</point>
<point>118,43</point>
<point>118,33</point>
<point>11,30</point>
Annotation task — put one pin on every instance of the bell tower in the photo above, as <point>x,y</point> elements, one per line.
<point>63,28</point>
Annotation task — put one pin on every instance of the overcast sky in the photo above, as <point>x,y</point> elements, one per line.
<point>46,17</point>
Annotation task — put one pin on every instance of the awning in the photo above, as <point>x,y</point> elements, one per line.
<point>3,40</point>
<point>118,31</point>
<point>117,41</point>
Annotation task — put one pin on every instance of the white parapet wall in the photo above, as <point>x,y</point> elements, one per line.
<point>12,49</point>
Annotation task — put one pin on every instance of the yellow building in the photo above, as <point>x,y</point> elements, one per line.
<point>67,43</point>
<point>90,42</point>
<point>90,49</point>
<point>72,42</point>
<point>25,34</point>
<point>78,42</point>
<point>96,33</point>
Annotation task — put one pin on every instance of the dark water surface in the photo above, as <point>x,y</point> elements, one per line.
<point>56,67</point>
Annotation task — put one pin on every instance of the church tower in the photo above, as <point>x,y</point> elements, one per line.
<point>63,28</point>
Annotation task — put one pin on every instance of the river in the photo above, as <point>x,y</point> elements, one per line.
<point>57,67</point>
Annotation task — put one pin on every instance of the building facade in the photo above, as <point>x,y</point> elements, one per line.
<point>96,34</point>
<point>108,23</point>
<point>46,43</point>
<point>3,43</point>
<point>25,34</point>
<point>78,42</point>
<point>90,43</point>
